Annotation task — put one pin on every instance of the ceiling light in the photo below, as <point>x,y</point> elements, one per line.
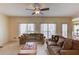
<point>37,12</point>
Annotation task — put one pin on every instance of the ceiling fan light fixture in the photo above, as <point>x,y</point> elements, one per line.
<point>37,12</point>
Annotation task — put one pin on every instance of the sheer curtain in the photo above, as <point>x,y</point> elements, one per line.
<point>48,30</point>
<point>64,30</point>
<point>26,28</point>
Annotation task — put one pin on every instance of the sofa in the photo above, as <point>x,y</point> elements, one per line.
<point>58,45</point>
<point>32,37</point>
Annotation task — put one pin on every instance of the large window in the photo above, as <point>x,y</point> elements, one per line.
<point>48,29</point>
<point>26,28</point>
<point>64,30</point>
<point>76,30</point>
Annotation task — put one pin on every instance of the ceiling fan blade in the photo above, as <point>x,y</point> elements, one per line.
<point>28,9</point>
<point>44,9</point>
<point>33,13</point>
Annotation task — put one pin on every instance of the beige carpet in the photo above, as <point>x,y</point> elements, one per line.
<point>12,48</point>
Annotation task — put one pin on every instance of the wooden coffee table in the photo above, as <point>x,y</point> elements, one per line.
<point>30,48</point>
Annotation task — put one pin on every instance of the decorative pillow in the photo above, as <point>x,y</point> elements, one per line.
<point>51,43</point>
<point>67,44</point>
<point>60,44</point>
<point>75,44</point>
<point>50,39</point>
<point>53,37</point>
<point>56,38</point>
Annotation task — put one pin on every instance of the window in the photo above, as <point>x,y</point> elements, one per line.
<point>64,30</point>
<point>26,28</point>
<point>48,29</point>
<point>76,30</point>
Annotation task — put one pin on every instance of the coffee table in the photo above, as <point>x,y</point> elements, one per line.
<point>30,48</point>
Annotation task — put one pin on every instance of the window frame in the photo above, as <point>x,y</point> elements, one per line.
<point>62,29</point>
<point>27,27</point>
<point>76,33</point>
<point>48,31</point>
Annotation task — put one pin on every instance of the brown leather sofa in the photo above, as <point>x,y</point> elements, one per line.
<point>32,37</point>
<point>63,46</point>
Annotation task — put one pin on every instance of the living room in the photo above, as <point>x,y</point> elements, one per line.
<point>17,19</point>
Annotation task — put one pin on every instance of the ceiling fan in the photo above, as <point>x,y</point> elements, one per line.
<point>37,9</point>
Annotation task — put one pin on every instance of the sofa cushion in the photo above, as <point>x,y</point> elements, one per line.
<point>55,38</point>
<point>67,44</point>
<point>75,44</point>
<point>60,42</point>
<point>51,43</point>
<point>55,49</point>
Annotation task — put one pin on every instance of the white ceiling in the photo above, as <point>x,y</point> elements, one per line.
<point>56,9</point>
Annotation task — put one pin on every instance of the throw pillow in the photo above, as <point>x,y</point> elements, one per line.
<point>67,45</point>
<point>75,44</point>
<point>51,43</point>
<point>56,38</point>
<point>60,42</point>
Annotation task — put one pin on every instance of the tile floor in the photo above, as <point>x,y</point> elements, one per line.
<point>12,48</point>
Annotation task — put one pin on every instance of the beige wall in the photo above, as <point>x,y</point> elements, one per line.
<point>3,29</point>
<point>14,21</point>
